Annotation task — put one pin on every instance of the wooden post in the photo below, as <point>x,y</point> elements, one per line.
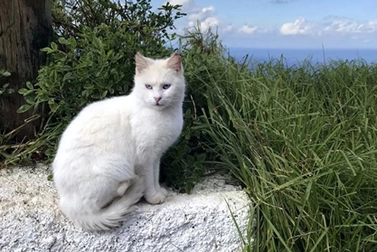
<point>25,28</point>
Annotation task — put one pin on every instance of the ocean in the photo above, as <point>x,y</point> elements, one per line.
<point>297,56</point>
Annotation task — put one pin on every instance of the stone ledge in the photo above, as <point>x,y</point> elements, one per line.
<point>199,222</point>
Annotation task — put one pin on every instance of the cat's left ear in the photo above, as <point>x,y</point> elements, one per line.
<point>175,62</point>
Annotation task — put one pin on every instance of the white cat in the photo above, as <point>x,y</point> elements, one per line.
<point>109,155</point>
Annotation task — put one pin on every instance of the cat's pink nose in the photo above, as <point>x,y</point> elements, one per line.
<point>157,99</point>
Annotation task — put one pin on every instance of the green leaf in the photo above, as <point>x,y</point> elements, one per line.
<point>53,106</point>
<point>54,46</point>
<point>104,93</point>
<point>63,41</point>
<point>30,99</point>
<point>29,85</point>
<point>47,50</point>
<point>72,42</point>
<point>110,53</point>
<point>68,76</point>
<point>97,43</point>
<point>23,91</point>
<point>23,108</point>
<point>5,74</point>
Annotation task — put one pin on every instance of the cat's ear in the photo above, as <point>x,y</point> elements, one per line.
<point>175,62</point>
<point>141,62</point>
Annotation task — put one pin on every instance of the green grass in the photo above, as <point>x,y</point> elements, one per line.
<point>303,142</point>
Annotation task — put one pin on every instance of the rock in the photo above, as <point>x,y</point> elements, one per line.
<point>200,222</point>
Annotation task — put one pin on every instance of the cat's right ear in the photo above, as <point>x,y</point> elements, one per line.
<point>141,62</point>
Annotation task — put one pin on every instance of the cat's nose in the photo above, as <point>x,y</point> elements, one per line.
<point>157,98</point>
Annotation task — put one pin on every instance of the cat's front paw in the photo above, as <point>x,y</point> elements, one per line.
<point>158,197</point>
<point>163,191</point>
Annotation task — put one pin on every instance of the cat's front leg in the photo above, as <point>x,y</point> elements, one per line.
<point>154,193</point>
<point>156,169</point>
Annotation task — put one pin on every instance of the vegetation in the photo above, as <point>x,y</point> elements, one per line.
<point>302,140</point>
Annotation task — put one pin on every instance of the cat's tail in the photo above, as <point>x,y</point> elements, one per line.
<point>111,216</point>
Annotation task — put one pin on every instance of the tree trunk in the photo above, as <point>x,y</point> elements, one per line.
<point>25,28</point>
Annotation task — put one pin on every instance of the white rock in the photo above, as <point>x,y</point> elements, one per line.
<point>199,222</point>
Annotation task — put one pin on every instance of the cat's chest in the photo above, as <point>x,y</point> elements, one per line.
<point>156,130</point>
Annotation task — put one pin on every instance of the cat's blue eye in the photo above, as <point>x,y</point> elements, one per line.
<point>166,86</point>
<point>148,86</point>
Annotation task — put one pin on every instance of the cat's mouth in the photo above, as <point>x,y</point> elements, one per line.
<point>159,106</point>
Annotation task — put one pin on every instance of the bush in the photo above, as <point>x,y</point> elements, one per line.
<point>90,58</point>
<point>70,16</point>
<point>97,61</point>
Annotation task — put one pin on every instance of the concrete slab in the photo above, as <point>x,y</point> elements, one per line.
<point>199,222</point>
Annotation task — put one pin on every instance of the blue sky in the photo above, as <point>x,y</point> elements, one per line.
<point>285,23</point>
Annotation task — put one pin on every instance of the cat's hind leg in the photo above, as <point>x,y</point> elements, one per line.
<point>123,186</point>
<point>100,213</point>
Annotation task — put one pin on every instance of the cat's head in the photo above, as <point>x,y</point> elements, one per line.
<point>159,83</point>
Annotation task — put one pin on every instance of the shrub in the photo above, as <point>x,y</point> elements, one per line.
<point>91,58</point>
<point>97,61</point>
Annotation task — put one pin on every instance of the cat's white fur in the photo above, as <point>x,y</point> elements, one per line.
<point>109,155</point>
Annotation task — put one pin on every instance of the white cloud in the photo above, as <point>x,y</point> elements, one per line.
<point>348,26</point>
<point>206,23</point>
<point>373,24</point>
<point>204,16</point>
<point>330,26</point>
<point>343,26</point>
<point>228,28</point>
<point>248,29</point>
<point>184,3</point>
<point>299,26</point>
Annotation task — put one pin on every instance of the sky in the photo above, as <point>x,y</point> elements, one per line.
<point>296,24</point>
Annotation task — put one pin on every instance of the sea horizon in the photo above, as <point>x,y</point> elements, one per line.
<point>299,55</point>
